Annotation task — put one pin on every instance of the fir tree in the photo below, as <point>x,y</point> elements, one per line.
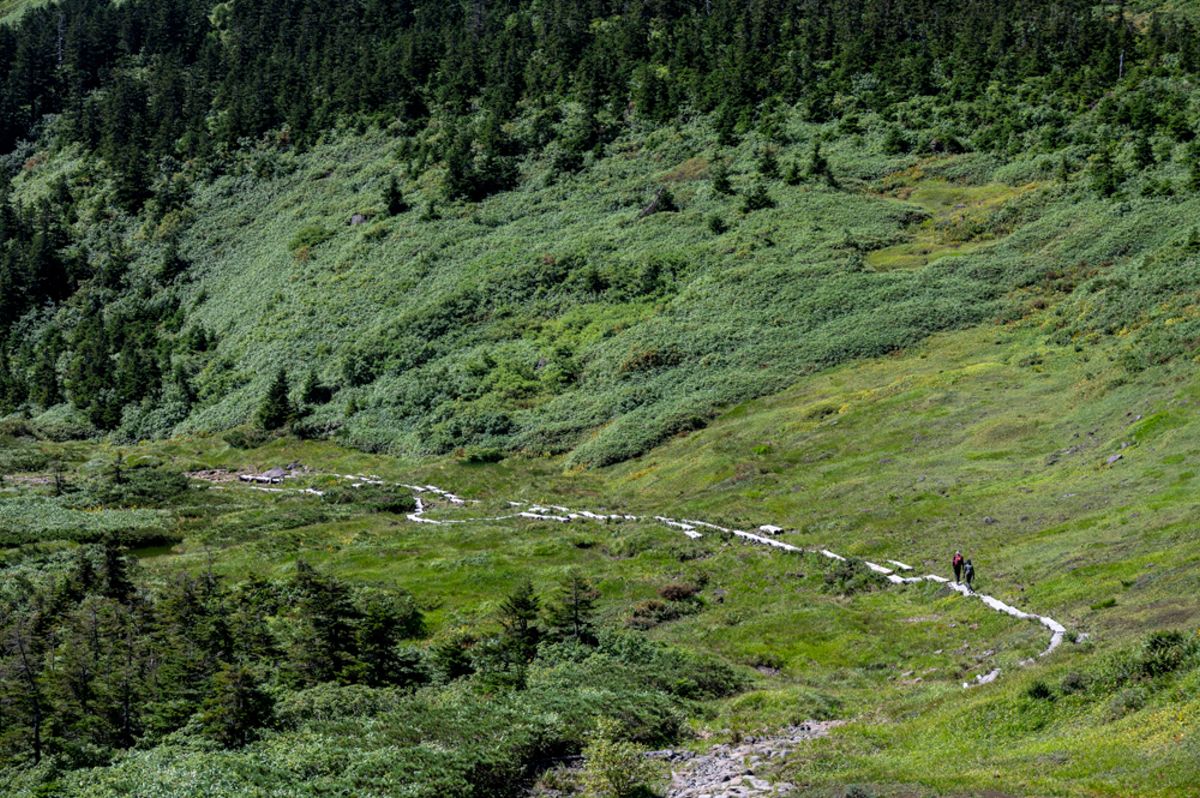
<point>720,178</point>
<point>519,618</point>
<point>572,614</point>
<point>312,393</point>
<point>1105,177</point>
<point>114,574</point>
<point>757,198</point>
<point>237,708</point>
<point>768,164</point>
<point>393,197</point>
<point>1193,164</point>
<point>276,409</point>
<point>385,621</point>
<point>818,166</point>
<point>1143,152</point>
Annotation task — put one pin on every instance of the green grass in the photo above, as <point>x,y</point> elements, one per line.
<point>903,456</point>
<point>941,355</point>
<point>552,320</point>
<point>960,220</point>
<point>11,10</point>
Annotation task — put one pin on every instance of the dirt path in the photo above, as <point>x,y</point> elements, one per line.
<point>424,494</point>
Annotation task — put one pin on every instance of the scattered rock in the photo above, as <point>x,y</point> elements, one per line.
<point>734,770</point>
<point>1112,458</point>
<point>357,219</point>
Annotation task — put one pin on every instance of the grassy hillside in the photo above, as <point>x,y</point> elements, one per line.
<point>556,318</point>
<point>11,10</point>
<point>994,440</point>
<point>893,279</point>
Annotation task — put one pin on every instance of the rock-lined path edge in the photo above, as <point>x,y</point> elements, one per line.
<point>692,529</point>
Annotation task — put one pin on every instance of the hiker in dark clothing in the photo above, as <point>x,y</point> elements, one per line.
<point>968,573</point>
<point>957,562</point>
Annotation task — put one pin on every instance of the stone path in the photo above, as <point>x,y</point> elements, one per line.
<point>692,529</point>
<point>738,770</point>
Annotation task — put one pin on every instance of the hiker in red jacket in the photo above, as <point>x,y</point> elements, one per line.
<point>957,562</point>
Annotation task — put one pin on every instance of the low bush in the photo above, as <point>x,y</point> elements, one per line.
<point>376,498</point>
<point>678,591</point>
<point>134,487</point>
<point>851,576</point>
<point>309,236</point>
<point>650,613</point>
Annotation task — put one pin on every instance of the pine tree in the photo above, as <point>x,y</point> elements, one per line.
<point>757,198</point>
<point>768,164</point>
<point>1143,152</point>
<point>276,409</point>
<point>22,691</point>
<point>1105,177</point>
<point>386,620</point>
<point>1193,164</point>
<point>237,708</point>
<point>114,574</point>
<point>794,175</point>
<point>720,178</point>
<point>312,392</point>
<point>323,635</point>
<point>451,658</point>
<point>572,615</point>
<point>1064,170</point>
<point>393,197</point>
<point>519,617</point>
<point>818,166</point>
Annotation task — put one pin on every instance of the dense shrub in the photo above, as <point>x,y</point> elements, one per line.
<point>850,576</point>
<point>376,498</point>
<point>309,236</point>
<point>132,487</point>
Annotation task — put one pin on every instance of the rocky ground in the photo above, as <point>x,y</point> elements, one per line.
<point>741,769</point>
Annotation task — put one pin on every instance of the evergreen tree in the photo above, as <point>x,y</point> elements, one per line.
<point>519,618</point>
<point>451,657</point>
<point>1143,152</point>
<point>323,641</point>
<point>572,615</point>
<point>276,409</point>
<point>757,198</point>
<point>393,197</point>
<point>720,178</point>
<point>236,708</point>
<point>385,621</point>
<point>818,166</point>
<point>114,573</point>
<point>1064,170</point>
<point>1193,165</point>
<point>312,393</point>
<point>768,164</point>
<point>1105,177</point>
<point>794,175</point>
<point>895,142</point>
<point>23,704</point>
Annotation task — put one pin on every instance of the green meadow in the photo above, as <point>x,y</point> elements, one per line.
<point>994,440</point>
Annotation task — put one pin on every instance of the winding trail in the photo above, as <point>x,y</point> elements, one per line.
<point>692,529</point>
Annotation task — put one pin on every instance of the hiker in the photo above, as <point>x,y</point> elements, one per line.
<point>957,562</point>
<point>968,573</point>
